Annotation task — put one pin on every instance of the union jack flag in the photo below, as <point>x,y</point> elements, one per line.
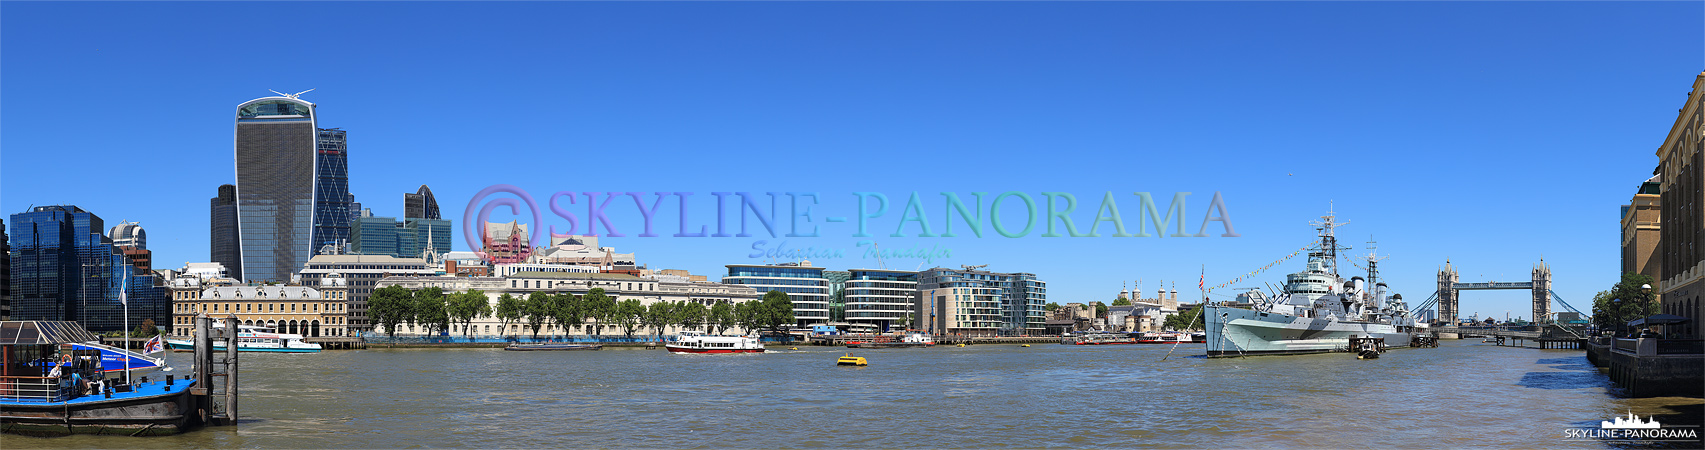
<point>153,346</point>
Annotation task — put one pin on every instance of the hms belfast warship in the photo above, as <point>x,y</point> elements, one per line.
<point>1317,310</point>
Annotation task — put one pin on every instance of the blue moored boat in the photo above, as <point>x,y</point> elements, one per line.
<point>47,389</point>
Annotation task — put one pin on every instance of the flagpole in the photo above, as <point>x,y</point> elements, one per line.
<point>124,299</point>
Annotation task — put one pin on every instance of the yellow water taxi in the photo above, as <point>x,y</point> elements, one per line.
<point>851,360</point>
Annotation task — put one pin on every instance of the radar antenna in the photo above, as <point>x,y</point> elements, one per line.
<point>291,96</point>
<point>969,268</point>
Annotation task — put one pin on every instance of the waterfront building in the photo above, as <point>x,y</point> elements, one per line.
<point>65,268</point>
<point>506,242</point>
<point>968,309</point>
<point>332,200</point>
<point>837,295</point>
<point>362,273</point>
<point>1640,230</point>
<point>1681,173</point>
<point>579,250</point>
<point>887,300</point>
<point>618,286</point>
<point>321,310</point>
<point>421,205</point>
<point>1023,297</point>
<point>275,146</point>
<point>222,236</point>
<point>804,285</point>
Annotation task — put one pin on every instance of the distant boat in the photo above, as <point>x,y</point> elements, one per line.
<point>251,338</point>
<point>696,342</point>
<point>551,347</point>
<point>908,341</point>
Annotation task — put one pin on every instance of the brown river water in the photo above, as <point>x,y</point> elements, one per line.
<point>1464,394</point>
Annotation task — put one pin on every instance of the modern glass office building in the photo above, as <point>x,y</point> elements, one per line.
<point>886,299</point>
<point>1022,297</point>
<point>222,236</point>
<point>407,239</point>
<point>420,205</point>
<point>805,287</point>
<point>332,200</point>
<point>65,268</point>
<point>275,150</point>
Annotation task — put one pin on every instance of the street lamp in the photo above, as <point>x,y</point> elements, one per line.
<point>1616,315</point>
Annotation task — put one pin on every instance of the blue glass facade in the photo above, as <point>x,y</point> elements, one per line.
<point>332,200</point>
<point>886,299</point>
<point>64,268</point>
<point>805,287</point>
<point>276,148</point>
<point>407,239</point>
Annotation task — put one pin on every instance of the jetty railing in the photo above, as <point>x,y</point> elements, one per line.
<point>1681,346</point>
<point>33,389</point>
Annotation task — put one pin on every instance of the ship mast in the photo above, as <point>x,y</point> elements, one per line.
<point>1327,253</point>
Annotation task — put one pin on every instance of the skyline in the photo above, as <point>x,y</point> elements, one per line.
<point>1554,109</point>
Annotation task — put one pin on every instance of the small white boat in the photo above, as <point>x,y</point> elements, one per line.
<point>696,342</point>
<point>251,338</point>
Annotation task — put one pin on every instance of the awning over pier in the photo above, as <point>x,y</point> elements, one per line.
<point>43,333</point>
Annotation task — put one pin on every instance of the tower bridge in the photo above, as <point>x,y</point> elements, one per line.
<point>1449,292</point>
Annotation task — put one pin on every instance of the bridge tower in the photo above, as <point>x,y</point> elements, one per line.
<point>1541,291</point>
<point>1447,294</point>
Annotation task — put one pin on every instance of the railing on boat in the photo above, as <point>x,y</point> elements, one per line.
<point>33,389</point>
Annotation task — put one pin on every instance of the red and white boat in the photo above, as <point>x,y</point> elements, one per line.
<point>696,342</point>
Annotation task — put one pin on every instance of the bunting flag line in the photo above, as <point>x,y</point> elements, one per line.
<point>1253,273</point>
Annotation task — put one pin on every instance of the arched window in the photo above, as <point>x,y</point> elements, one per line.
<point>314,329</point>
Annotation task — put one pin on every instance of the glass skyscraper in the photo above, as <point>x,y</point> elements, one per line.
<point>332,200</point>
<point>420,205</point>
<point>65,268</point>
<point>407,239</point>
<point>223,238</point>
<point>276,145</point>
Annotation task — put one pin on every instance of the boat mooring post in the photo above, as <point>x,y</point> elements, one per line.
<point>231,333</point>
<point>202,367</point>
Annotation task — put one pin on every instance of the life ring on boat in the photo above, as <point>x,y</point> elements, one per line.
<point>65,358</point>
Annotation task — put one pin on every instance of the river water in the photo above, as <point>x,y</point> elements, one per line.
<point>1463,394</point>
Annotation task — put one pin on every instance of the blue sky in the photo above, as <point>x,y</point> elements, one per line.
<point>1486,133</point>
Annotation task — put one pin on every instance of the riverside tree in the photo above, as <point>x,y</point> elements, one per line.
<point>720,317</point>
<point>627,315</point>
<point>657,316</point>
<point>1624,302</point>
<point>432,310</point>
<point>1187,318</point>
<point>389,307</point>
<point>598,307</point>
<point>774,311</point>
<point>467,306</point>
<point>536,309</point>
<point>689,315</point>
<point>508,311</point>
<point>565,311</point>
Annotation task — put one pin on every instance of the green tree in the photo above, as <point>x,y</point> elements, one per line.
<point>146,329</point>
<point>389,307</point>
<point>1050,307</point>
<point>536,309</point>
<point>1100,310</point>
<point>721,317</point>
<point>746,315</point>
<point>1121,301</point>
<point>1629,299</point>
<point>598,307</point>
<point>467,306</point>
<point>658,316</point>
<point>566,310</point>
<point>432,310</point>
<point>1187,318</point>
<point>690,315</point>
<point>627,315</point>
<point>509,310</point>
<point>775,311</point>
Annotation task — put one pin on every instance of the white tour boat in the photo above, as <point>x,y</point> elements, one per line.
<point>696,342</point>
<point>251,338</point>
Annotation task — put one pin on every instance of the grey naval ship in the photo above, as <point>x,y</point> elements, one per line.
<point>1316,311</point>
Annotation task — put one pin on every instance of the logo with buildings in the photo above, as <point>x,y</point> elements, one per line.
<point>1633,428</point>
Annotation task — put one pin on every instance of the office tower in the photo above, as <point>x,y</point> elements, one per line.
<point>128,234</point>
<point>410,238</point>
<point>332,200</point>
<point>5,274</point>
<point>887,300</point>
<point>1021,297</point>
<point>223,237</point>
<point>65,269</point>
<point>805,287</point>
<point>275,149</point>
<point>420,205</point>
